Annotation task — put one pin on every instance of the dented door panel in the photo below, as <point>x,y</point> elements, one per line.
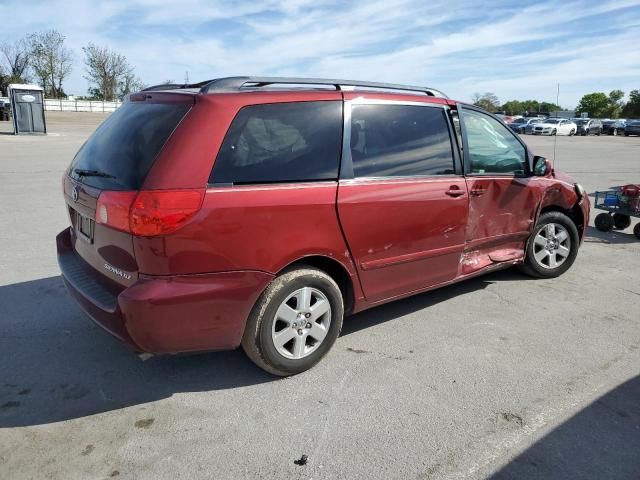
<point>404,234</point>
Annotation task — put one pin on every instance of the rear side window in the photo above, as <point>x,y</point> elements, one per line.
<point>281,142</point>
<point>400,140</point>
<point>125,146</point>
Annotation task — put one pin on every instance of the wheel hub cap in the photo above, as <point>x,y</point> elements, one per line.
<point>552,246</point>
<point>301,323</point>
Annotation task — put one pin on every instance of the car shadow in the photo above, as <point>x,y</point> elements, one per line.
<point>57,365</point>
<point>600,441</point>
<point>593,235</point>
<point>399,308</point>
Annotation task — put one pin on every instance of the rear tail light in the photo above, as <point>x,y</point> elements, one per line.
<point>149,212</point>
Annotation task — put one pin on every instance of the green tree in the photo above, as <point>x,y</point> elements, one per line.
<point>513,107</point>
<point>615,103</point>
<point>530,106</point>
<point>632,108</point>
<point>594,104</point>
<point>489,101</point>
<point>518,107</point>
<point>549,107</point>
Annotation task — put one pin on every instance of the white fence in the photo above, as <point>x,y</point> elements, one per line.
<point>55,105</point>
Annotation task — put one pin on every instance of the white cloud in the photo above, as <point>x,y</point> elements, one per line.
<point>460,47</point>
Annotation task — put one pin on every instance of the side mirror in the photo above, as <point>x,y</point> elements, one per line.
<point>542,167</point>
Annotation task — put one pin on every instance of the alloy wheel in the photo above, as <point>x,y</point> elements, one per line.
<point>551,246</point>
<point>301,323</point>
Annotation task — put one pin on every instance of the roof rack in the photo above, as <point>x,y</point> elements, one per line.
<point>234,84</point>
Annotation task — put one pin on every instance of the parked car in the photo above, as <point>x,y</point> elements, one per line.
<point>613,127</point>
<point>5,110</point>
<point>632,127</point>
<point>240,211</point>
<point>524,125</point>
<point>588,126</point>
<point>555,126</point>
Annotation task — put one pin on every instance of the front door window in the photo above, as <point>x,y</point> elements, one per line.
<point>493,149</point>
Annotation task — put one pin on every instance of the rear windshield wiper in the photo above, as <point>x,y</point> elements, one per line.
<point>91,173</point>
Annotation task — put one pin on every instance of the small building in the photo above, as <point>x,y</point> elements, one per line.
<point>27,108</point>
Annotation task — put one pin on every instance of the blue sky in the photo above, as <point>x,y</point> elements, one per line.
<point>516,49</point>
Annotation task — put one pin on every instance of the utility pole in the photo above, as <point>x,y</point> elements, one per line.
<point>186,77</point>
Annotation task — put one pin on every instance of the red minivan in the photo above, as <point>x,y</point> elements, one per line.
<point>261,211</point>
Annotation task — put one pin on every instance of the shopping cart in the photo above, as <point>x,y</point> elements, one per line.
<point>620,204</point>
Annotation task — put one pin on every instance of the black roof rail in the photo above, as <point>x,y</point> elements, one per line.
<point>234,84</point>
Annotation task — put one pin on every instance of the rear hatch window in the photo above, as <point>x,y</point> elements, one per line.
<point>120,153</point>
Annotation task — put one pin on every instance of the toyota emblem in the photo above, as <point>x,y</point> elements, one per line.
<point>75,193</point>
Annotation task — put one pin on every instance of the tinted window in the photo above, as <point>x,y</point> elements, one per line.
<point>281,142</point>
<point>492,147</point>
<point>126,144</point>
<point>400,140</point>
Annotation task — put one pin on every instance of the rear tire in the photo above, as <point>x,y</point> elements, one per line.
<point>604,222</point>
<point>636,230</point>
<point>552,247</point>
<point>621,221</point>
<point>572,133</point>
<point>283,335</point>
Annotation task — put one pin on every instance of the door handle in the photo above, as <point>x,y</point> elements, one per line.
<point>454,191</point>
<point>476,192</point>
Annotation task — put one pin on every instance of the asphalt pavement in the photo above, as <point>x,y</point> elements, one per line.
<point>498,377</point>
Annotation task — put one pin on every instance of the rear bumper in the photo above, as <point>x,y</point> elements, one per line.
<point>169,314</point>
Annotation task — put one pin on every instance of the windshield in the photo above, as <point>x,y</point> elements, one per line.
<point>552,120</point>
<point>519,120</point>
<point>581,122</point>
<point>122,150</point>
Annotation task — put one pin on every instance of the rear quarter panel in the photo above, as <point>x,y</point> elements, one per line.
<point>262,228</point>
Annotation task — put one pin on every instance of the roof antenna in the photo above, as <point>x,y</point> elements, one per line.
<point>555,140</point>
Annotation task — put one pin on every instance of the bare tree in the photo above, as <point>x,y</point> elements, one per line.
<point>489,101</point>
<point>16,57</point>
<point>130,83</point>
<point>50,60</point>
<point>106,70</point>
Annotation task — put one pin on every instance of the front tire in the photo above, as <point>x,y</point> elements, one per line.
<point>554,132</point>
<point>295,322</point>
<point>572,132</point>
<point>552,247</point>
<point>636,230</point>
